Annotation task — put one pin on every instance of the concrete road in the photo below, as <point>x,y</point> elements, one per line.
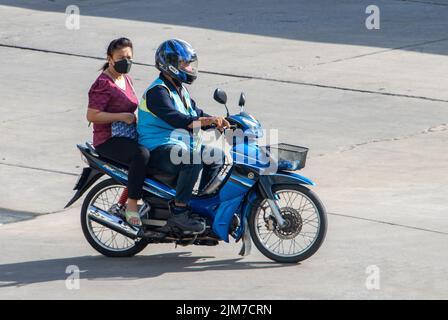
<point>372,106</point>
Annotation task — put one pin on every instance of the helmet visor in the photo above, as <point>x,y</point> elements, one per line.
<point>190,67</point>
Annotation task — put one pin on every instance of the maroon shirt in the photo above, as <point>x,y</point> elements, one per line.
<point>105,95</point>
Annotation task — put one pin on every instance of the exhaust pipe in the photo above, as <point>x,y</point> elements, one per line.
<point>112,222</point>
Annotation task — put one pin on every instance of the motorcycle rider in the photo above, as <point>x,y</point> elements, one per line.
<point>165,107</point>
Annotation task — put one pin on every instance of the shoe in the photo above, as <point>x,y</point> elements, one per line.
<point>181,218</point>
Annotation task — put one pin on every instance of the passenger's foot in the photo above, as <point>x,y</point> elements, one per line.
<point>181,218</point>
<point>133,218</point>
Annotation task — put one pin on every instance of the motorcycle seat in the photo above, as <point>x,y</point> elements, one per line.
<point>152,173</point>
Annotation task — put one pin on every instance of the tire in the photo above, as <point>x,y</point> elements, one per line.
<point>320,234</point>
<point>129,252</point>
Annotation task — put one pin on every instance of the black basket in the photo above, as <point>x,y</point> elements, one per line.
<point>288,156</point>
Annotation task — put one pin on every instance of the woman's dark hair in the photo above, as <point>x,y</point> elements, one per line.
<point>117,44</point>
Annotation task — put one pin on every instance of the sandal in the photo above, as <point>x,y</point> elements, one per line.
<point>132,216</point>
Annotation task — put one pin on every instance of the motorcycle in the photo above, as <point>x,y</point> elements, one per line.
<point>274,208</point>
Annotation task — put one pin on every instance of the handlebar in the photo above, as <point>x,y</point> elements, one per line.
<point>213,126</point>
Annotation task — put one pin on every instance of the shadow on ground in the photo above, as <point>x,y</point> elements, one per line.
<point>139,267</point>
<point>10,216</point>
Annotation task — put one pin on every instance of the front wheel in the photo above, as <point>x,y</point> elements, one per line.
<point>305,229</point>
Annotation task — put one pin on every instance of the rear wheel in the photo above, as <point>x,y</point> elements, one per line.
<point>306,225</point>
<point>105,196</point>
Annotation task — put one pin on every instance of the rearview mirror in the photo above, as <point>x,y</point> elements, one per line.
<point>220,96</point>
<point>242,100</point>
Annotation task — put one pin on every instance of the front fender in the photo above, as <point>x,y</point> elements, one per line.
<point>285,177</point>
<point>268,181</point>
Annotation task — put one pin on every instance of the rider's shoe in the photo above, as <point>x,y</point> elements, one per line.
<point>181,218</point>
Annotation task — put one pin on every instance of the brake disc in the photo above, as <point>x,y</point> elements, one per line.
<point>293,224</point>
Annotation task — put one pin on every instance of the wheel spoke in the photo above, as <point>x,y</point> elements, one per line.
<point>269,237</point>
<point>290,245</point>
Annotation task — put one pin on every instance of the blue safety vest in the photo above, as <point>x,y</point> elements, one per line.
<point>153,131</point>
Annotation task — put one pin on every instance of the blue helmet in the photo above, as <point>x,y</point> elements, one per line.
<point>178,59</point>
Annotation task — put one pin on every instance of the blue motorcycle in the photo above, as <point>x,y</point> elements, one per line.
<point>247,200</point>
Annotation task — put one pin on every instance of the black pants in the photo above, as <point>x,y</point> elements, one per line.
<point>187,173</point>
<point>128,152</point>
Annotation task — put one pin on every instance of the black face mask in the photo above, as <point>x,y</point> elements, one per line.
<point>123,66</point>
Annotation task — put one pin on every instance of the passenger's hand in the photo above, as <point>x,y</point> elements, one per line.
<point>129,118</point>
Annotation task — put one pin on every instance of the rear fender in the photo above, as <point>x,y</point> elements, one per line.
<point>87,178</point>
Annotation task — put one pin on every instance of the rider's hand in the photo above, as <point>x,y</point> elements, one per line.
<point>206,121</point>
<point>221,122</point>
<point>129,118</point>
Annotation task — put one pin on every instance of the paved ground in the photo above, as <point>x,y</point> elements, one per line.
<point>371,105</point>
